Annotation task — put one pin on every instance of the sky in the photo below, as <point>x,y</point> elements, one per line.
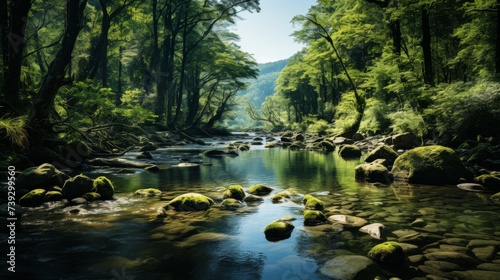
<point>267,35</point>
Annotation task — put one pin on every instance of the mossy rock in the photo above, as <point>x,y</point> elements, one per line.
<point>191,202</point>
<point>280,196</point>
<point>373,172</point>
<point>383,152</point>
<point>147,192</point>
<point>231,204</point>
<point>53,196</point>
<point>41,177</point>
<point>278,230</point>
<point>496,198</point>
<point>104,187</point>
<point>77,186</point>
<point>327,145</point>
<point>350,151</point>
<point>431,165</point>
<point>259,189</point>
<point>310,202</point>
<point>34,198</point>
<point>234,191</point>
<point>314,218</point>
<point>244,147</point>
<point>92,196</point>
<point>490,182</point>
<point>388,255</point>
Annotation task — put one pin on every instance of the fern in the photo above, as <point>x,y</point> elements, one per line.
<point>14,130</point>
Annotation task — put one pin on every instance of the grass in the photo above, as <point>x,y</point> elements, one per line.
<point>13,129</point>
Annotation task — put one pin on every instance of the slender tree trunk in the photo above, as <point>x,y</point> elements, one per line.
<point>4,31</point>
<point>38,119</point>
<point>426,47</point>
<point>497,41</point>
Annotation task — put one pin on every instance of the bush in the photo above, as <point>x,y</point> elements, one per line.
<point>13,129</point>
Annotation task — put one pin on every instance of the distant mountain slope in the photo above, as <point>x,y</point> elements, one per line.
<point>265,83</point>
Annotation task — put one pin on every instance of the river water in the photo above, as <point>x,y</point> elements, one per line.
<point>122,239</point>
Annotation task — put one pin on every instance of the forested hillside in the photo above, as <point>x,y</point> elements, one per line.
<point>382,66</point>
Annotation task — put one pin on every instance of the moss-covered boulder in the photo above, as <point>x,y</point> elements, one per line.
<point>92,196</point>
<point>77,186</point>
<point>350,151</point>
<point>388,255</point>
<point>314,218</point>
<point>279,197</point>
<point>373,172</point>
<point>34,198</point>
<point>234,191</point>
<point>431,165</point>
<point>278,230</point>
<point>406,140</point>
<point>147,192</point>
<point>231,204</point>
<point>382,152</point>
<point>259,189</point>
<point>53,196</point>
<point>310,202</point>
<point>41,177</point>
<point>104,187</point>
<point>190,202</point>
<point>327,145</point>
<point>489,181</point>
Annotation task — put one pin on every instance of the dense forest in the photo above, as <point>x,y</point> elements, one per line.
<point>99,71</point>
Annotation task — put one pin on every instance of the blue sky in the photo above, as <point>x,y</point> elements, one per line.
<point>266,35</point>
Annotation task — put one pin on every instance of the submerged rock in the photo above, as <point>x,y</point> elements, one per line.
<point>314,217</point>
<point>349,151</point>
<point>220,153</point>
<point>190,202</point>
<point>389,255</point>
<point>278,230</point>
<point>432,165</point>
<point>313,203</point>
<point>382,152</point>
<point>373,172</point>
<point>231,204</point>
<point>372,229</point>
<point>147,192</point>
<point>352,267</point>
<point>348,221</point>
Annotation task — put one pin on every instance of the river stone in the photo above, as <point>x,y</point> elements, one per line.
<point>349,151</point>
<point>220,153</point>
<point>278,230</point>
<point>34,198</point>
<point>372,229</point>
<point>431,165</point>
<point>476,275</point>
<point>313,203</point>
<point>382,152</point>
<point>314,217</point>
<point>484,253</point>
<point>234,191</point>
<point>259,189</point>
<point>489,266</point>
<point>53,196</point>
<point>190,202</point>
<point>490,182</point>
<point>405,140</point>
<point>92,196</point>
<point>475,243</point>
<point>252,198</point>
<point>231,204</point>
<point>453,257</point>
<point>42,177</point>
<point>389,255</point>
<point>77,187</point>
<point>351,267</point>
<point>373,172</point>
<point>104,187</point>
<point>147,192</point>
<point>472,187</point>
<point>348,221</point>
<point>443,266</point>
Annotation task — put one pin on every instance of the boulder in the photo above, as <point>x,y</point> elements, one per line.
<point>190,202</point>
<point>489,181</point>
<point>34,198</point>
<point>405,140</point>
<point>53,196</point>
<point>373,172</point>
<point>311,202</point>
<point>220,153</point>
<point>314,218</point>
<point>382,152</point>
<point>234,191</point>
<point>349,151</point>
<point>41,177</point>
<point>327,145</point>
<point>104,187</point>
<point>147,192</point>
<point>231,204</point>
<point>352,267</point>
<point>278,230</point>
<point>92,196</point>
<point>431,165</point>
<point>77,187</point>
<point>259,189</point>
<point>388,255</point>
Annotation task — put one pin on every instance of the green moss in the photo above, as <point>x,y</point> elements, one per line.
<point>231,204</point>
<point>234,191</point>
<point>53,196</point>
<point>349,150</point>
<point>278,230</point>
<point>491,182</point>
<point>432,165</point>
<point>279,196</point>
<point>104,187</point>
<point>92,196</point>
<point>383,152</point>
<point>373,172</point>
<point>259,189</point>
<point>77,186</point>
<point>191,202</point>
<point>311,202</point>
<point>34,198</point>
<point>147,192</point>
<point>388,255</point>
<point>314,217</point>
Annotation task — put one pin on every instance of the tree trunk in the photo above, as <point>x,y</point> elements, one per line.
<point>426,47</point>
<point>38,119</point>
<point>14,48</point>
<point>497,41</point>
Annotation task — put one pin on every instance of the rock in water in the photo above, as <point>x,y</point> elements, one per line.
<point>372,229</point>
<point>431,165</point>
<point>350,267</point>
<point>77,187</point>
<point>191,202</point>
<point>278,230</point>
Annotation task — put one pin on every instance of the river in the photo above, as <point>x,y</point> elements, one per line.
<point>122,239</point>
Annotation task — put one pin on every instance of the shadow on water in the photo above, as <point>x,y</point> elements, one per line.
<point>119,239</point>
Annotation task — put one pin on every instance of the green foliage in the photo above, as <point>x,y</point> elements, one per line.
<point>13,129</point>
<point>408,121</point>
